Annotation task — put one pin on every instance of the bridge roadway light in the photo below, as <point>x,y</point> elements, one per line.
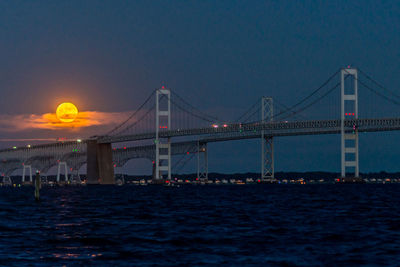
<point>28,146</point>
<point>78,140</point>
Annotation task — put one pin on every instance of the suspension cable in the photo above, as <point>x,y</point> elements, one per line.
<point>315,101</point>
<point>194,114</point>
<point>247,111</point>
<point>194,108</point>
<point>293,113</point>
<point>133,114</point>
<point>375,91</point>
<point>378,84</point>
<point>309,96</point>
<point>379,94</point>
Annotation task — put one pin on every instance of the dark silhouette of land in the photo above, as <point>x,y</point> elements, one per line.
<point>306,176</point>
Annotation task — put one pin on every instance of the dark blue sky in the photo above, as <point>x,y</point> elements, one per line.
<point>222,55</point>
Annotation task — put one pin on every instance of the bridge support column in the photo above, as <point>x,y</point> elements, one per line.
<point>163,121</point>
<point>62,163</point>
<point>100,168</point>
<point>154,169</point>
<point>29,167</point>
<point>267,143</point>
<point>202,164</point>
<point>267,159</point>
<point>75,177</point>
<point>7,180</point>
<point>349,134</point>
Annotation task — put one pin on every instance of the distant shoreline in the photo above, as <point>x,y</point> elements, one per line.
<point>281,177</point>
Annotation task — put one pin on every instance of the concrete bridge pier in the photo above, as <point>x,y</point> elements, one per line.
<point>153,172</point>
<point>60,164</point>
<point>29,167</point>
<point>159,179</point>
<point>202,162</point>
<point>100,168</point>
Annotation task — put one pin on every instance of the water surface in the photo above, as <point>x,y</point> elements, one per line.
<point>269,225</point>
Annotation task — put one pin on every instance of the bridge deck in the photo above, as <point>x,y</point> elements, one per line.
<point>252,130</point>
<point>231,132</point>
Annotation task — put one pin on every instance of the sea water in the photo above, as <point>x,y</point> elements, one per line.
<point>258,225</point>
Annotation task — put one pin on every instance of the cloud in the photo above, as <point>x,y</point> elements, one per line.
<point>49,121</point>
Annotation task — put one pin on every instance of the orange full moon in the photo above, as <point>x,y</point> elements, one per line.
<point>66,112</point>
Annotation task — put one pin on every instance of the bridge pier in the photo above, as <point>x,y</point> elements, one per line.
<point>62,163</point>
<point>159,179</point>
<point>29,167</point>
<point>75,177</point>
<point>202,165</point>
<point>100,168</point>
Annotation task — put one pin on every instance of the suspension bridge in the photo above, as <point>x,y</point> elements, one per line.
<point>165,118</point>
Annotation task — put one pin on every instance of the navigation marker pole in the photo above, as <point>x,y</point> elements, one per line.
<point>37,185</point>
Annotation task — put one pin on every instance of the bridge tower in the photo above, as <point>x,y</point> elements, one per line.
<point>349,134</point>
<point>163,122</point>
<point>267,144</point>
